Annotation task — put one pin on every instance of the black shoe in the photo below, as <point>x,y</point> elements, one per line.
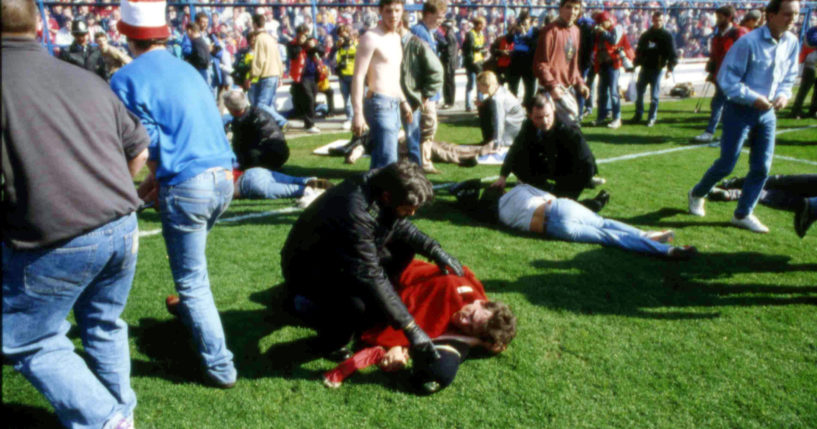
<point>635,120</point>
<point>683,253</point>
<point>803,219</point>
<point>469,162</point>
<point>731,183</point>
<point>602,199</point>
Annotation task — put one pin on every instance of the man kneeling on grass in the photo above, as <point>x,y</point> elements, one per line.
<point>527,208</point>
<point>456,314</point>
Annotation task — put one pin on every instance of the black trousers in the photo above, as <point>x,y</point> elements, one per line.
<point>449,86</point>
<point>303,99</point>
<point>340,311</point>
<point>486,119</point>
<point>805,84</point>
<point>521,69</point>
<point>785,192</point>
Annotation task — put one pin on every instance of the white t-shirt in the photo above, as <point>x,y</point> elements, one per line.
<point>517,206</point>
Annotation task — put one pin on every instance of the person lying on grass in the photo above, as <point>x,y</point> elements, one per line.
<point>453,310</point>
<point>527,208</point>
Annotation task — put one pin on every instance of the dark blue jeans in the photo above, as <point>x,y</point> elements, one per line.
<point>608,90</point>
<point>646,77</point>
<point>716,107</point>
<point>263,93</point>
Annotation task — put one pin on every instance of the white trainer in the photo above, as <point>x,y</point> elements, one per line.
<point>751,223</point>
<point>347,125</point>
<point>313,130</point>
<point>696,205</point>
<point>705,137</point>
<point>615,124</point>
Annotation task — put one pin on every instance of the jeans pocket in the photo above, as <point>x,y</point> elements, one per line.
<point>190,213</point>
<point>60,271</point>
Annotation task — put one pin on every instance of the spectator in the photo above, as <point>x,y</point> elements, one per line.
<point>501,49</point>
<point>199,54</point>
<point>473,50</point>
<point>755,89</point>
<point>81,53</point>
<point>655,50</point>
<point>525,37</point>
<point>751,20</point>
<point>112,57</point>
<point>70,234</point>
<point>610,45</point>
<point>304,59</point>
<point>190,178</point>
<point>448,49</point>
<point>500,113</point>
<point>266,69</point>
<point>809,60</point>
<point>345,60</point>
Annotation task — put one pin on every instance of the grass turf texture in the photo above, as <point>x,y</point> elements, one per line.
<point>606,338</point>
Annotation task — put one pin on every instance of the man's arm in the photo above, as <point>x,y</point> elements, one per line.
<point>672,53</point>
<point>730,77</point>
<point>433,73</point>
<point>516,151</point>
<point>542,68</point>
<point>365,51</point>
<point>781,97</point>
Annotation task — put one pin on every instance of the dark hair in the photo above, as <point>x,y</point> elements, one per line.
<point>193,25</point>
<point>523,15</point>
<point>727,11</point>
<point>405,182</point>
<point>657,13</point>
<point>774,6</point>
<point>540,100</point>
<point>202,15</point>
<point>302,29</point>
<point>565,2</point>
<point>384,3</point>
<point>259,20</point>
<point>144,45</point>
<point>19,16</point>
<point>434,6</point>
<point>501,327</point>
<point>100,35</point>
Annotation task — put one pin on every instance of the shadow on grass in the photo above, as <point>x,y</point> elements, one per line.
<point>27,416</point>
<point>655,218</point>
<point>600,282</point>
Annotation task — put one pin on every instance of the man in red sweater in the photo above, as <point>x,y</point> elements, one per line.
<point>726,35</point>
<point>556,62</point>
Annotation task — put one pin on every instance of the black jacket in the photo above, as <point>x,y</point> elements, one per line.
<point>87,57</point>
<point>200,56</point>
<point>560,154</point>
<point>337,246</point>
<point>258,141</point>
<point>656,49</point>
<point>448,48</point>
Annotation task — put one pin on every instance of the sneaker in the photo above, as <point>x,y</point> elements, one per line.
<point>696,205</point>
<point>705,137</point>
<point>347,125</point>
<point>313,130</point>
<point>597,181</point>
<point>215,382</point>
<point>309,196</point>
<point>429,169</point>
<point>682,253</point>
<point>355,154</point>
<point>651,123</point>
<point>666,236</point>
<point>803,219</point>
<point>284,127</point>
<point>615,124</point>
<point>751,223</point>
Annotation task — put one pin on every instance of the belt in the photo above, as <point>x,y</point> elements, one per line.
<point>228,174</point>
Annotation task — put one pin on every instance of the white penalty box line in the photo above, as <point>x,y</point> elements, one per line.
<point>288,210</point>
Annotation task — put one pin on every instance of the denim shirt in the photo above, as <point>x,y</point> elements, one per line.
<point>758,65</point>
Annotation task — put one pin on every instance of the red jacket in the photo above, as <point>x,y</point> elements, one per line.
<point>296,61</point>
<point>603,49</point>
<point>721,43</point>
<point>432,298</point>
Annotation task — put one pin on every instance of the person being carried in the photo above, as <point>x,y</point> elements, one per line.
<point>548,150</point>
<point>377,64</point>
<point>360,232</point>
<point>454,311</point>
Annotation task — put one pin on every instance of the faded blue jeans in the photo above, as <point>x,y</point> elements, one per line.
<point>382,113</point>
<point>716,107</point>
<point>413,137</point>
<point>608,91</point>
<point>188,211</point>
<point>263,93</point>
<point>346,92</point>
<point>91,274</point>
<point>570,221</point>
<point>651,77</point>
<point>740,123</point>
<point>263,183</point>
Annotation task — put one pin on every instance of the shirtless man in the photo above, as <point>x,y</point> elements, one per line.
<point>379,55</point>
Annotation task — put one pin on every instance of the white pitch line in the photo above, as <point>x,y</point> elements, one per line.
<point>651,153</point>
<point>236,218</point>
<point>790,130</point>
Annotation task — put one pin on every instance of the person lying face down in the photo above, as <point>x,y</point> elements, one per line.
<point>456,314</point>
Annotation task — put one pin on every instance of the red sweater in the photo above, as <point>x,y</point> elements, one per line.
<point>556,61</point>
<point>721,43</point>
<point>432,298</point>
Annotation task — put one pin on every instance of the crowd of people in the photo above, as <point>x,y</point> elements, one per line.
<point>70,236</point>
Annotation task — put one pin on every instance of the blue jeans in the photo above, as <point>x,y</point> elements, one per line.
<point>188,211</point>
<point>812,206</point>
<point>413,135</point>
<point>608,89</point>
<point>382,113</point>
<point>570,221</point>
<point>470,84</point>
<point>739,123</point>
<point>646,77</point>
<point>262,183</point>
<point>716,106</point>
<point>262,93</point>
<point>588,75</point>
<point>346,93</point>
<point>92,274</point>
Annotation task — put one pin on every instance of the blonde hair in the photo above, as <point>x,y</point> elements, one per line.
<point>489,79</point>
<point>478,20</point>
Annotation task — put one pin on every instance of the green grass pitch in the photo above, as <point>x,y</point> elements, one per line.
<point>606,338</point>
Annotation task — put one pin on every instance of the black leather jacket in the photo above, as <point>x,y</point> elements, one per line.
<point>258,140</point>
<point>337,246</point>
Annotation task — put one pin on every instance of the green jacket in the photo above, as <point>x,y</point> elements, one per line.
<point>421,73</point>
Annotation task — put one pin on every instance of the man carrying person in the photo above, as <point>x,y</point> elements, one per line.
<point>360,232</point>
<point>190,176</point>
<point>81,53</point>
<point>725,36</point>
<point>266,69</point>
<point>112,57</point>
<point>377,65</point>
<point>757,77</point>
<point>556,63</point>
<point>655,50</point>
<point>70,235</point>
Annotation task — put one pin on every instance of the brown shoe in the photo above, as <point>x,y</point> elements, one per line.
<point>319,184</point>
